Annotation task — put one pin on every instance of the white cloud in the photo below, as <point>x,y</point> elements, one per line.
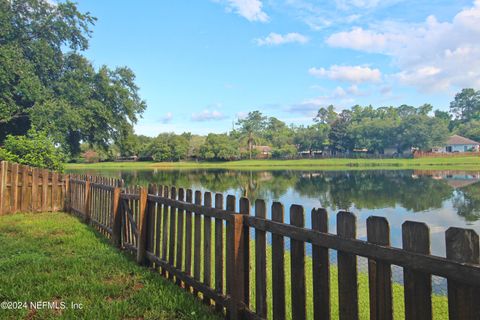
<point>167,118</point>
<point>431,55</point>
<point>207,115</point>
<point>249,9</point>
<point>354,74</point>
<point>363,4</point>
<point>339,97</point>
<point>278,39</point>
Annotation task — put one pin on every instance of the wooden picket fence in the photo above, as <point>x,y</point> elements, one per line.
<point>202,242</point>
<point>24,188</point>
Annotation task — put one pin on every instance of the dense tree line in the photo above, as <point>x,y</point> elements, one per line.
<point>357,130</point>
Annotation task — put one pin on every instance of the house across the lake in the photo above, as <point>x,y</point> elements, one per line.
<point>458,143</point>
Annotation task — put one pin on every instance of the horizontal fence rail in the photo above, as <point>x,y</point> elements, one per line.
<point>216,249</point>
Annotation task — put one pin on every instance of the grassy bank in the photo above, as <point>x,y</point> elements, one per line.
<point>54,257</point>
<point>460,163</point>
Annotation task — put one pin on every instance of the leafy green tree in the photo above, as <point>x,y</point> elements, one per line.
<point>470,129</point>
<point>251,128</point>
<point>422,132</point>
<point>340,136</point>
<point>167,147</point>
<point>311,138</point>
<point>277,133</point>
<point>219,147</point>
<point>47,83</point>
<point>34,149</point>
<point>326,115</point>
<point>466,105</point>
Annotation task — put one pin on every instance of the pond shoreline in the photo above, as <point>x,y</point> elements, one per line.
<point>461,163</point>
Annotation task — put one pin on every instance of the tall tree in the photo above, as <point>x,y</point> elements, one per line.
<point>466,105</point>
<point>251,127</point>
<point>47,83</point>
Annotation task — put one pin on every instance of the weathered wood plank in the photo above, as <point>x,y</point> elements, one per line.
<point>379,272</point>
<point>245,210</point>
<point>463,299</point>
<point>231,207</point>
<point>165,229</point>
<point>142,228</point>
<point>207,245</point>
<point>297,263</point>
<point>218,249</point>
<point>321,269</point>
<point>278,260</point>
<point>188,236</point>
<point>180,235</point>
<point>173,220</point>
<point>347,270</point>
<point>14,188</point>
<point>197,245</point>
<point>3,186</point>
<point>237,272</point>
<point>24,205</point>
<point>260,262</point>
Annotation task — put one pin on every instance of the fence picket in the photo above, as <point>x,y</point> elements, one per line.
<point>165,229</point>
<point>379,272</point>
<point>347,270</point>
<point>171,236</point>
<point>417,285</point>
<point>180,227</point>
<point>188,237</point>
<point>297,261</point>
<point>260,263</point>
<point>197,243</point>
<point>245,210</point>
<point>463,246</point>
<point>218,249</point>
<point>278,260</point>
<point>321,269</point>
<point>207,245</point>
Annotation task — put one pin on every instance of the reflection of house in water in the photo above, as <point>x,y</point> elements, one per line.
<point>454,178</point>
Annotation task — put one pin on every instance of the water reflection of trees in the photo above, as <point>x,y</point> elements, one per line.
<point>337,190</point>
<point>374,190</point>
<point>467,202</point>
<point>253,185</point>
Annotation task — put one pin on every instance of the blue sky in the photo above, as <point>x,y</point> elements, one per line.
<point>202,64</point>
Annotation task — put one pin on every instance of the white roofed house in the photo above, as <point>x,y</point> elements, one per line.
<point>458,143</point>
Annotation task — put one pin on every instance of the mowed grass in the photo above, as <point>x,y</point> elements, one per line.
<point>56,258</point>
<point>453,163</point>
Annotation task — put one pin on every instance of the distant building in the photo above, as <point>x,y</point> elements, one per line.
<point>259,152</point>
<point>458,143</point>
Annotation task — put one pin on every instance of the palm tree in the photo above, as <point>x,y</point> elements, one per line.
<point>250,127</point>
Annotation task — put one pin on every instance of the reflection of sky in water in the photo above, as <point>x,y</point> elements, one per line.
<point>439,199</point>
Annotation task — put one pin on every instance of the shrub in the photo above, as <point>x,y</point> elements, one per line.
<point>34,149</point>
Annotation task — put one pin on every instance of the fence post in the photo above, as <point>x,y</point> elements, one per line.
<point>88,199</point>
<point>236,274</point>
<point>117,218</point>
<point>142,228</point>
<point>3,184</point>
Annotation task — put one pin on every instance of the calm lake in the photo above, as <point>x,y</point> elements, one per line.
<point>441,199</point>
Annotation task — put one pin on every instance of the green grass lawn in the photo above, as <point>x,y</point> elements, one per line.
<point>54,257</point>
<point>461,163</point>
